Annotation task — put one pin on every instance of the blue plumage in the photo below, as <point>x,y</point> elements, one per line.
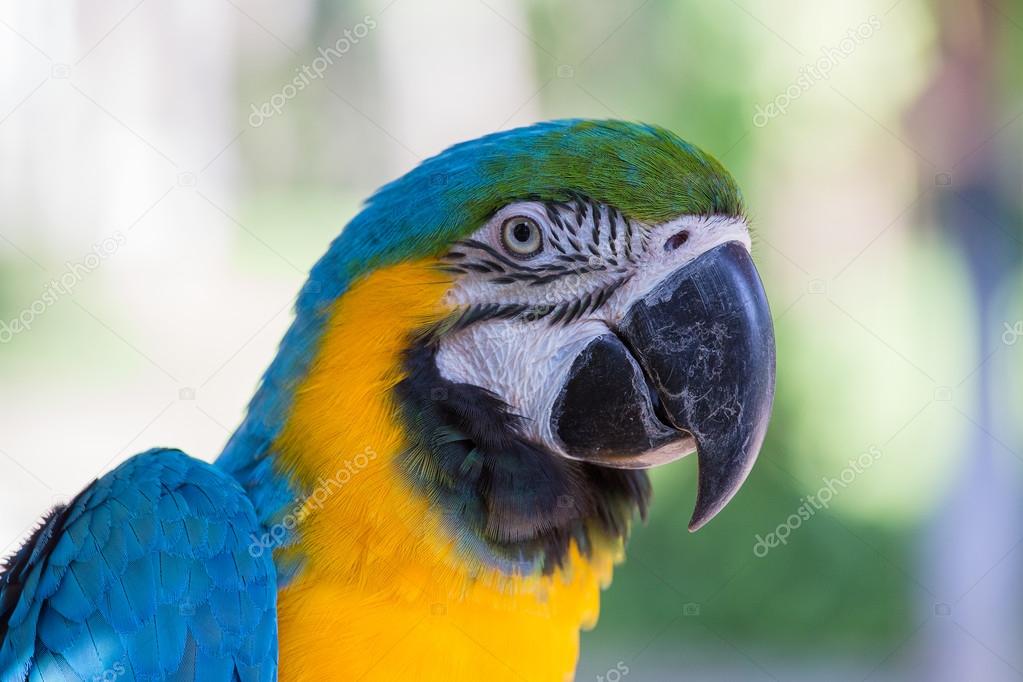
<point>146,575</point>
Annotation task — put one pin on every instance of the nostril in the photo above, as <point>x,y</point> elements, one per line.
<point>676,240</point>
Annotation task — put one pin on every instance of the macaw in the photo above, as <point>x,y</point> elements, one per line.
<point>440,467</point>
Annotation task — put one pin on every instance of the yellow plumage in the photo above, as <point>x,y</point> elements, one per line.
<point>386,594</point>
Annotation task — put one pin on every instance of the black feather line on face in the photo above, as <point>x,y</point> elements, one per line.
<point>497,255</point>
<point>628,240</point>
<point>452,269</point>
<point>612,221</point>
<point>565,312</point>
<point>578,207</point>
<point>478,267</point>
<point>553,215</point>
<point>522,505</point>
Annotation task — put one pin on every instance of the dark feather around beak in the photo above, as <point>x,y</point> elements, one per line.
<point>691,364</point>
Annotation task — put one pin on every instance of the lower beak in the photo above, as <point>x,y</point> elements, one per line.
<point>691,364</point>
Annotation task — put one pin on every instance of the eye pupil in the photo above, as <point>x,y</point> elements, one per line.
<point>521,232</point>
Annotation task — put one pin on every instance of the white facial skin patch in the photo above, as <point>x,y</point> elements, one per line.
<point>592,264</point>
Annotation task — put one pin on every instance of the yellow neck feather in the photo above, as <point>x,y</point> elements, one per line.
<point>384,593</point>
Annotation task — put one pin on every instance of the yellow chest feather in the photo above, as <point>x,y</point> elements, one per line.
<point>385,593</point>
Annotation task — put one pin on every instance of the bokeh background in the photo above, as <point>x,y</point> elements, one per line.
<point>165,184</point>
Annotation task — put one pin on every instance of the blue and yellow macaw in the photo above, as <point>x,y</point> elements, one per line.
<point>438,471</point>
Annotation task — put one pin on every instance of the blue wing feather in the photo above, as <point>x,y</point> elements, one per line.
<point>145,574</point>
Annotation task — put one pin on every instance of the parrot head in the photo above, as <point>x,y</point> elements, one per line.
<point>559,308</point>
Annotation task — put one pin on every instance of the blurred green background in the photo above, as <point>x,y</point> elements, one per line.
<point>880,148</point>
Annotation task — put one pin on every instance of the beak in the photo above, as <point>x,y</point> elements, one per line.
<point>691,365</point>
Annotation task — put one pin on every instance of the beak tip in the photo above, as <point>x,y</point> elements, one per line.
<point>703,514</point>
<point>719,480</point>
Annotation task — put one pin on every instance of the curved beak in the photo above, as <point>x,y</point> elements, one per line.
<point>691,363</point>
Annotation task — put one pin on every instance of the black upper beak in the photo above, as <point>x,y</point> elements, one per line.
<point>695,359</point>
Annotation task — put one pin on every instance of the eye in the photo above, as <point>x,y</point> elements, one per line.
<point>521,236</point>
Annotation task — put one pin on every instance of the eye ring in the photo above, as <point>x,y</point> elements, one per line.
<point>522,236</point>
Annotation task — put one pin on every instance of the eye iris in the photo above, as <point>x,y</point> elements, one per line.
<point>522,236</point>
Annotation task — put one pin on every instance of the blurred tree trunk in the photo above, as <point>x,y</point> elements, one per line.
<point>970,560</point>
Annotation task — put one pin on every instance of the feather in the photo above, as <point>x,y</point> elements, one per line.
<point>118,582</point>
